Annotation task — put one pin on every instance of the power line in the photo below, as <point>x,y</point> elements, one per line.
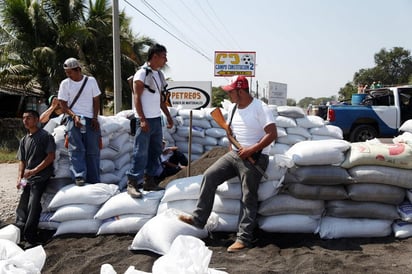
<point>174,36</point>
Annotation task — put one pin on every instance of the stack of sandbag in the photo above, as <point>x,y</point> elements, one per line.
<point>74,207</point>
<point>182,194</point>
<point>206,134</point>
<point>299,206</point>
<point>124,214</point>
<point>295,126</point>
<point>380,175</point>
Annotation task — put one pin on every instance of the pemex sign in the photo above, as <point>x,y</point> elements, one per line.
<point>230,63</point>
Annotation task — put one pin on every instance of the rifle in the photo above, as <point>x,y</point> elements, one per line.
<point>220,120</point>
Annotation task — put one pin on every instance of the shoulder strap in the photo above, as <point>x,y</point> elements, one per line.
<point>233,113</point>
<point>78,93</point>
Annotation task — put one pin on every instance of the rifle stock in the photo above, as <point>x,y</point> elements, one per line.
<point>220,120</point>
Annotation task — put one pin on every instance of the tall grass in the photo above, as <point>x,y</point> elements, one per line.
<point>7,156</point>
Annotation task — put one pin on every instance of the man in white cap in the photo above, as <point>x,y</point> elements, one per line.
<point>253,124</point>
<point>79,96</point>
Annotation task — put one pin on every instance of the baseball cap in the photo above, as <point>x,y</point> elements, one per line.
<point>236,82</point>
<point>51,99</point>
<point>71,63</point>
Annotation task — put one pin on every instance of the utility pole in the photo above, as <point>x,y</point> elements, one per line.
<point>117,80</point>
<point>257,89</point>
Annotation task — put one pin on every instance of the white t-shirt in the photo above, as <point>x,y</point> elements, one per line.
<point>84,105</point>
<point>248,123</point>
<point>150,101</point>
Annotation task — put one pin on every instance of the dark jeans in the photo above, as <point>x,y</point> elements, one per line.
<point>229,166</point>
<point>29,208</point>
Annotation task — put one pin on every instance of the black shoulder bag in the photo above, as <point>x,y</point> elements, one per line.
<point>65,117</point>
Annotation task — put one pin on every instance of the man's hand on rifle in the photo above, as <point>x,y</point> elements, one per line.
<point>245,153</point>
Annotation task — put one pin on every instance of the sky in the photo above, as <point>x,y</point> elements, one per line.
<point>313,46</point>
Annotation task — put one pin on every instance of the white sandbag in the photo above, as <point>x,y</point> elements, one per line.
<point>109,178</point>
<point>94,194</point>
<point>405,137</point>
<point>405,211</point>
<point>280,148</point>
<point>334,228</point>
<point>402,229</point>
<point>287,204</point>
<point>268,189</point>
<point>127,148</point>
<point>369,210</point>
<point>28,261</point>
<point>285,122</point>
<point>203,123</point>
<point>106,166</point>
<point>196,113</point>
<point>369,153</point>
<point>123,224</point>
<point>184,131</point>
<point>223,142</point>
<point>291,111</point>
<point>206,141</point>
<point>229,190</point>
<point>317,192</point>
<point>122,160</point>
<point>382,175</point>
<point>328,130</point>
<point>183,188</point>
<point>196,148</point>
<point>123,203</point>
<point>74,212</point>
<point>215,132</point>
<point>108,153</point>
<point>227,222</point>
<point>310,121</point>
<point>281,131</point>
<point>406,126</point>
<point>318,175</point>
<point>289,223</point>
<point>186,205</point>
<point>376,193</point>
<point>89,226</point>
<point>326,152</point>
<point>187,255</point>
<point>291,139</point>
<point>316,137</point>
<point>228,206</point>
<point>119,140</point>
<point>46,223</point>
<point>10,232</point>
<point>8,249</point>
<point>158,234</point>
<point>298,131</point>
<point>109,125</point>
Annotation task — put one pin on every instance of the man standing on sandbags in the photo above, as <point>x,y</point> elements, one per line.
<point>252,125</point>
<point>36,155</point>
<point>149,100</point>
<point>79,97</point>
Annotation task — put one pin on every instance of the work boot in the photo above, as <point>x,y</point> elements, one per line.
<point>150,184</point>
<point>133,189</point>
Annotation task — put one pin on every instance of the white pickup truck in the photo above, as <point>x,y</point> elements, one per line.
<point>380,114</point>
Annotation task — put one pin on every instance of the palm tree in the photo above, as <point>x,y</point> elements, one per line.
<point>37,36</point>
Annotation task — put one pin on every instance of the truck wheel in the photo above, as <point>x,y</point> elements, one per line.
<point>362,133</point>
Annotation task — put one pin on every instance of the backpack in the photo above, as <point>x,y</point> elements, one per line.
<point>150,85</point>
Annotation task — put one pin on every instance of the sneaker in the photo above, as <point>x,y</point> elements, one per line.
<point>236,246</point>
<point>79,181</point>
<point>133,189</point>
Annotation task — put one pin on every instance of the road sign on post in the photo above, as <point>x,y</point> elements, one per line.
<point>230,63</point>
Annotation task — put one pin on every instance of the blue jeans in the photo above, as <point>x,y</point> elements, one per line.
<point>147,150</point>
<point>84,152</point>
<point>229,166</point>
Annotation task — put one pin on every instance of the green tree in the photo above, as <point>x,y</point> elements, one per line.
<point>218,95</point>
<point>37,36</point>
<point>393,67</point>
